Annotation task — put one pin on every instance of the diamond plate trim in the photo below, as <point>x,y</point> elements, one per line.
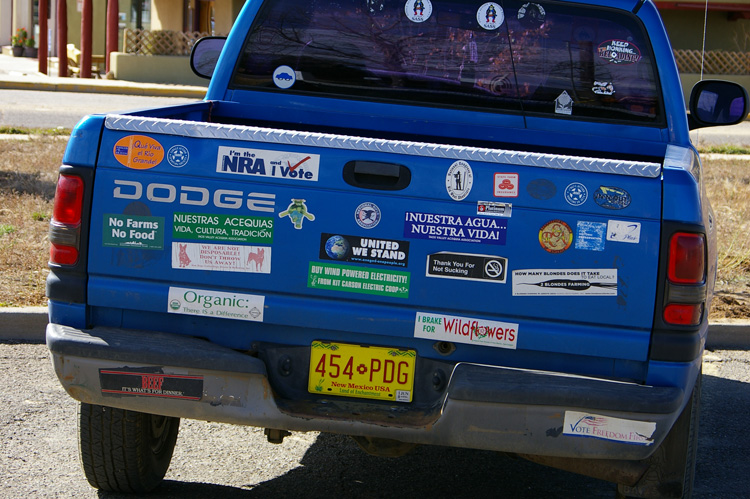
<point>274,136</point>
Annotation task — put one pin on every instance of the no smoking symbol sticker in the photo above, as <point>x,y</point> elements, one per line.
<point>493,269</point>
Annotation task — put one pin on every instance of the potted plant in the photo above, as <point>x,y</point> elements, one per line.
<point>30,50</point>
<point>19,42</point>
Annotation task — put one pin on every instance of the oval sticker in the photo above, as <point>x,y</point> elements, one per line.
<point>138,152</point>
<point>612,198</point>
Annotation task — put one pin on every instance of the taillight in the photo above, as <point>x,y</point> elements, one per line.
<point>65,227</point>
<point>686,272</point>
<point>686,258</point>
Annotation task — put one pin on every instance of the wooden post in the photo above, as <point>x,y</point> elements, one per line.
<point>43,48</point>
<point>113,29</point>
<point>86,38</point>
<point>62,38</point>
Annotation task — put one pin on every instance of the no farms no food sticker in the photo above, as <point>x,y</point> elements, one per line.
<point>418,11</point>
<point>138,152</point>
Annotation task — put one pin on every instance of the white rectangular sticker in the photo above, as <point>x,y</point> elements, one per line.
<point>207,303</point>
<point>565,282</point>
<point>624,232</point>
<point>262,163</point>
<point>581,424</point>
<point>506,185</point>
<point>221,257</point>
<point>440,327</point>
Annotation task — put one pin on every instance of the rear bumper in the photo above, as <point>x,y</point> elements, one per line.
<point>484,407</point>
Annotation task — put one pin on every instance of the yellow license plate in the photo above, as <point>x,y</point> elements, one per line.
<point>360,371</point>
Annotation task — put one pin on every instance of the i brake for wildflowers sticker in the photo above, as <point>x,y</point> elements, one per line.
<point>441,327</point>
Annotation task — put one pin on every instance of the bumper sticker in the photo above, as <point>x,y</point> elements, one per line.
<point>582,424</point>
<point>440,327</point>
<point>565,282</point>
<point>150,382</point>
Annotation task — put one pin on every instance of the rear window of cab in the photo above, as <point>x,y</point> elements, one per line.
<point>550,58</point>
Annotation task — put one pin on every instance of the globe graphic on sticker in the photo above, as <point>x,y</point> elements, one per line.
<point>337,247</point>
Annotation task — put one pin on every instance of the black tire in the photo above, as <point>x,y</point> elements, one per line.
<point>124,451</point>
<point>671,471</point>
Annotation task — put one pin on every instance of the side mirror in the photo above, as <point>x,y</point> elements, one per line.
<point>717,103</point>
<point>205,55</point>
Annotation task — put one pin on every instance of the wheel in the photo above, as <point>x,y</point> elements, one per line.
<point>124,451</point>
<point>671,471</point>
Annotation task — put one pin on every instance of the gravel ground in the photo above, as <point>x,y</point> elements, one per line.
<point>39,455</point>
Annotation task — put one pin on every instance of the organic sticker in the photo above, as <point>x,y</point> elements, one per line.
<point>565,282</point>
<point>284,77</point>
<point>486,268</point>
<point>590,235</point>
<point>490,16</point>
<point>555,236</point>
<point>506,185</point>
<point>619,52</point>
<point>178,156</point>
<point>138,152</point>
<point>367,215</point>
<point>297,212</point>
<point>576,194</point>
<point>612,198</point>
<point>217,304</point>
<point>459,180</point>
<point>418,11</point>
<point>582,424</point>
<point>133,231</point>
<point>440,327</point>
<point>358,249</point>
<point>353,279</point>
<point>455,228</point>
<point>221,257</point>
<point>263,163</point>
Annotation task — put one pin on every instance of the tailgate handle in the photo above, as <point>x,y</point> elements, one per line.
<point>377,175</point>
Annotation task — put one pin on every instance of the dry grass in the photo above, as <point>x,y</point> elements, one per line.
<point>28,171</point>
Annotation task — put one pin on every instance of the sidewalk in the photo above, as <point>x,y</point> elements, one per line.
<point>22,73</point>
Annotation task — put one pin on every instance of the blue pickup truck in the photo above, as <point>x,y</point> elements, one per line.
<point>470,224</point>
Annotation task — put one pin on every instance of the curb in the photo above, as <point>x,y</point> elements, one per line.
<point>23,324</point>
<point>30,323</point>
<point>107,87</point>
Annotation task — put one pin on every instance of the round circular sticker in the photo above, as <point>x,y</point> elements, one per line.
<point>284,77</point>
<point>458,180</point>
<point>531,15</point>
<point>367,215</point>
<point>490,16</point>
<point>576,194</point>
<point>418,11</point>
<point>178,156</point>
<point>555,236</point>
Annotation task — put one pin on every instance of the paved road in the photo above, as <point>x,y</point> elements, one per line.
<point>40,109</point>
<point>38,455</point>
